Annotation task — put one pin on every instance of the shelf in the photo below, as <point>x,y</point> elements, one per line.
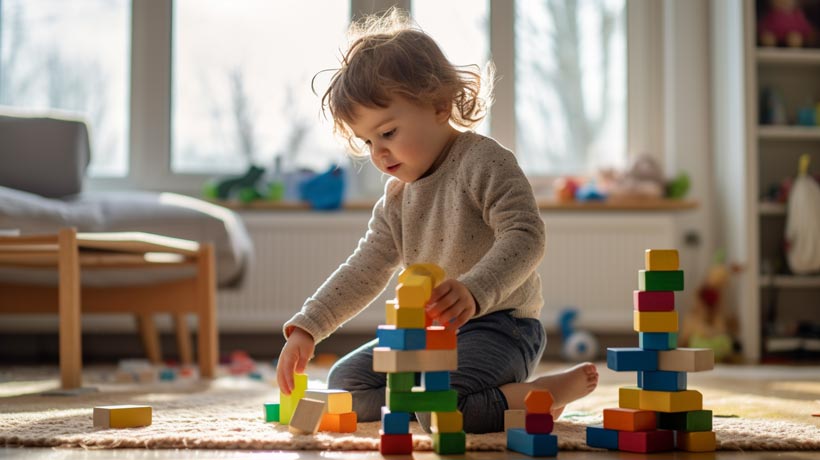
<point>790,281</point>
<point>789,132</point>
<point>766,208</point>
<point>808,57</point>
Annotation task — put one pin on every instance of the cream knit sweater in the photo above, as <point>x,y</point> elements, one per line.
<point>475,216</point>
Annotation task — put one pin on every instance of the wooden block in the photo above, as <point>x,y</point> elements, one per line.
<point>431,270</point>
<point>387,360</point>
<point>288,403</point>
<point>338,401</point>
<point>271,412</point>
<point>697,420</point>
<point>629,397</point>
<point>414,291</point>
<point>401,381</point>
<point>440,338</point>
<point>696,441</point>
<point>629,419</point>
<point>396,444</point>
<point>686,360</point>
<point>646,441</point>
<point>653,300</point>
<point>661,259</point>
<point>631,359</point>
<point>535,423</point>
<point>390,312</point>
<point>401,339</point>
<point>515,418</point>
<point>655,321</point>
<point>662,381</point>
<point>671,401</point>
<point>602,438</point>
<point>660,280</point>
<point>534,445</point>
<point>418,401</point>
<point>449,443</point>
<point>307,417</point>
<point>538,402</point>
<point>658,340</point>
<point>339,423</point>
<point>435,381</point>
<point>395,422</point>
<point>411,318</point>
<point>447,422</point>
<point>125,416</point>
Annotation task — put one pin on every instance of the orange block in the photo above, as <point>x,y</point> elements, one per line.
<point>439,338</point>
<point>538,402</point>
<point>629,419</point>
<point>339,423</point>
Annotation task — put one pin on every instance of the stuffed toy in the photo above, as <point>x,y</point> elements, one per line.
<point>784,23</point>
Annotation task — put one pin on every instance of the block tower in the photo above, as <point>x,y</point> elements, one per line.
<point>530,431</point>
<point>417,357</point>
<point>660,413</point>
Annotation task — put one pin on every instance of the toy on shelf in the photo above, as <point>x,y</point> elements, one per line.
<point>565,188</point>
<point>324,191</point>
<point>803,222</point>
<point>577,345</point>
<point>772,107</point>
<point>660,413</point>
<point>784,24</point>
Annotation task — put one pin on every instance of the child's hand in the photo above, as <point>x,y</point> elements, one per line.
<point>293,358</point>
<point>452,304</point>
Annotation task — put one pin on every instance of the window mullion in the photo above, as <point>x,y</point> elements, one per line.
<point>502,51</point>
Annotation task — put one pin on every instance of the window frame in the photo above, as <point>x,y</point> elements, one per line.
<point>149,144</point>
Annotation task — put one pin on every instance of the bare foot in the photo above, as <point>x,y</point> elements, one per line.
<point>566,386</point>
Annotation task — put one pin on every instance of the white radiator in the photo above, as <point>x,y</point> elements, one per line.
<point>591,263</point>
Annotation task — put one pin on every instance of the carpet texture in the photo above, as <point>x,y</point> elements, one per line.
<point>227,414</point>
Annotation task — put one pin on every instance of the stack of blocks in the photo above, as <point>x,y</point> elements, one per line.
<point>308,411</point>
<point>660,413</point>
<point>530,431</point>
<point>409,344</point>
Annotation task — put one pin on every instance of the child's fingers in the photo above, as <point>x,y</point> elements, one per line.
<point>301,363</point>
<point>439,291</point>
<point>450,314</point>
<point>284,373</point>
<point>443,304</point>
<point>460,320</point>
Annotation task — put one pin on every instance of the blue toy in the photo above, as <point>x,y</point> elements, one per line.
<point>325,191</point>
<point>578,345</point>
<point>589,192</point>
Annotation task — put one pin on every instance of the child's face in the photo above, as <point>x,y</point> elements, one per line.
<point>404,139</point>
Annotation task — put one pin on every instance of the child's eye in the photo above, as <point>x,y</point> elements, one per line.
<point>389,134</point>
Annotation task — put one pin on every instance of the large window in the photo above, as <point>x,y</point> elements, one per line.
<point>72,56</point>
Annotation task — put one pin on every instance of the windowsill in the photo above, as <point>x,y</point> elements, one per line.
<point>544,204</point>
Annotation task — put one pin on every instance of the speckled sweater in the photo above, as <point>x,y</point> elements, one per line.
<point>475,216</point>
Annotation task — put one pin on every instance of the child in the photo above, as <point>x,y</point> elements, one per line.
<point>456,199</point>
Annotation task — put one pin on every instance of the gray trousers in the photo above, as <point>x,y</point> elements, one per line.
<point>493,350</point>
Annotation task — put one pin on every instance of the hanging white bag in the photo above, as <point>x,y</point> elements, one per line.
<point>803,223</point>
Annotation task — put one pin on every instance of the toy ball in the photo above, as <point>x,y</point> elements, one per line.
<point>580,346</point>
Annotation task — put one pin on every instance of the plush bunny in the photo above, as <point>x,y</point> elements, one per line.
<point>784,23</point>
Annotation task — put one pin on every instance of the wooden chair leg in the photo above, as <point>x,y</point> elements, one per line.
<point>207,336</point>
<point>150,337</point>
<point>183,338</point>
<point>69,310</point>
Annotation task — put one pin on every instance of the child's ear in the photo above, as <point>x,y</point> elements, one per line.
<point>442,112</point>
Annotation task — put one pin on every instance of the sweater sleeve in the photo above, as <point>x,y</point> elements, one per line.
<point>497,185</point>
<point>349,289</point>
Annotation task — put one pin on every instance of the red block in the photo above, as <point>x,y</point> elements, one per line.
<point>538,423</point>
<point>396,444</point>
<point>646,441</point>
<point>653,300</point>
<point>439,338</point>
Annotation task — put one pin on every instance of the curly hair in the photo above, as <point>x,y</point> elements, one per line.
<point>390,56</point>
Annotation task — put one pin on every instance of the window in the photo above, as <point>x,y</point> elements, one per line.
<point>241,91</point>
<point>71,56</point>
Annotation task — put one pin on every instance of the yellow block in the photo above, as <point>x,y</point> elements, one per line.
<point>662,259</point>
<point>390,312</point>
<point>515,418</point>
<point>288,403</point>
<point>126,416</point>
<point>629,397</point>
<point>447,422</point>
<point>655,321</point>
<point>696,441</point>
<point>431,270</point>
<point>337,401</point>
<point>414,291</point>
<point>671,401</point>
<point>411,318</point>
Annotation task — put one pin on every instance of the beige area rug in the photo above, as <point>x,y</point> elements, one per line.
<point>767,414</point>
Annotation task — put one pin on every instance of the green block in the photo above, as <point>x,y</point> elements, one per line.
<point>654,280</point>
<point>271,412</point>
<point>696,420</point>
<point>287,403</point>
<point>401,381</point>
<point>422,401</point>
<point>449,443</point>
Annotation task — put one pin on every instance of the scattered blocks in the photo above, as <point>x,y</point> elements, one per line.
<point>534,445</point>
<point>338,401</point>
<point>629,419</point>
<point>631,359</point>
<point>660,280</point>
<point>655,321</point>
<point>271,412</point>
<point>538,402</point>
<point>686,360</point>
<point>535,439</point>
<point>307,417</point>
<point>598,436</point>
<point>661,259</point>
<point>515,418</point>
<point>287,403</point>
<point>696,441</point>
<point>535,423</point>
<point>396,444</point>
<point>646,441</point>
<point>339,423</point>
<point>125,416</point>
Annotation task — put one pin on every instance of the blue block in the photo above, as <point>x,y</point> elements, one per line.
<point>631,359</point>
<point>395,422</point>
<point>435,381</point>
<point>598,436</point>
<point>534,445</point>
<point>662,380</point>
<point>401,339</point>
<point>658,340</point>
